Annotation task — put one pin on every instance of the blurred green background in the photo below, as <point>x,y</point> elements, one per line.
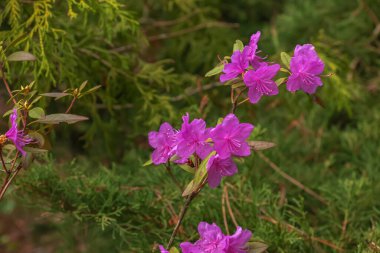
<point>150,56</point>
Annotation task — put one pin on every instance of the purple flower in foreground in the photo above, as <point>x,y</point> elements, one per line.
<point>238,65</point>
<point>162,249</point>
<point>251,49</point>
<point>305,67</point>
<point>229,137</point>
<point>18,137</point>
<point>259,82</point>
<point>163,142</point>
<point>238,241</point>
<point>212,240</point>
<point>192,138</point>
<point>218,168</point>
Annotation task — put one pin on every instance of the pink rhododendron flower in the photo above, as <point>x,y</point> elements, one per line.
<point>230,136</point>
<point>212,240</point>
<point>192,138</point>
<point>239,63</point>
<point>162,249</point>
<point>18,137</point>
<point>218,168</point>
<point>259,82</point>
<point>164,142</point>
<point>305,67</point>
<point>251,49</point>
<point>238,241</point>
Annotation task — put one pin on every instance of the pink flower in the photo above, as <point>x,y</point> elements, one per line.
<point>164,142</point>
<point>239,63</point>
<point>212,240</point>
<point>218,168</point>
<point>306,67</point>
<point>251,49</point>
<point>230,137</point>
<point>192,138</point>
<point>162,249</point>
<point>259,82</point>
<point>18,137</point>
<point>238,241</point>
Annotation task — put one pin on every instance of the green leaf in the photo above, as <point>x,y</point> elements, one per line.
<point>147,163</point>
<point>60,118</point>
<point>284,70</point>
<point>217,70</point>
<point>238,46</point>
<point>220,120</point>
<point>34,150</point>
<point>237,85</point>
<point>285,58</point>
<point>173,250</point>
<point>82,86</point>
<point>189,189</point>
<point>92,90</point>
<point>37,113</point>
<point>187,168</point>
<point>21,56</point>
<point>280,81</point>
<point>261,145</point>
<point>38,137</point>
<point>257,247</point>
<point>56,95</point>
<point>201,172</point>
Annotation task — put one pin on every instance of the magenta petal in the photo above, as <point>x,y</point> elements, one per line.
<point>214,178</point>
<point>226,77</point>
<point>188,247</point>
<point>294,83</point>
<point>245,150</point>
<point>244,130</point>
<point>152,137</point>
<point>254,95</point>
<point>239,240</point>
<point>311,88</point>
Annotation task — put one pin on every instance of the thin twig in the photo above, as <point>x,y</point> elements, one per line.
<point>291,179</point>
<point>6,84</point>
<point>71,104</point>
<point>2,160</point>
<point>224,213</point>
<point>8,180</point>
<point>229,207</point>
<point>291,228</point>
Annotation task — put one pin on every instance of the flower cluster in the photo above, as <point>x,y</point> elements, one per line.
<point>258,75</point>
<point>212,240</point>
<point>194,139</point>
<point>17,136</point>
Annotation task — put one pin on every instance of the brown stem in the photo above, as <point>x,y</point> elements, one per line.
<point>291,179</point>
<point>169,170</point>
<point>71,104</point>
<point>2,160</point>
<point>8,180</point>
<point>6,84</point>
<point>183,212</point>
<point>234,100</point>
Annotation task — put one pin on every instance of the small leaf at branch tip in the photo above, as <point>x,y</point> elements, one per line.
<point>261,145</point>
<point>36,113</point>
<point>173,250</point>
<point>60,118</point>
<point>238,46</point>
<point>285,58</point>
<point>21,56</point>
<point>280,81</point>
<point>187,168</point>
<point>82,86</point>
<point>147,163</point>
<point>217,70</point>
<point>257,247</point>
<point>189,189</point>
<point>35,150</point>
